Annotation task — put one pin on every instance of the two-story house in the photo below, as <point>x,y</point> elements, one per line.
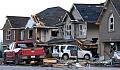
<point>79,24</point>
<point>43,24</point>
<point>109,28</point>
<point>12,28</point>
<point>39,28</point>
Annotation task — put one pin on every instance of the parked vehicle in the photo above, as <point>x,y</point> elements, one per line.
<point>18,52</point>
<point>116,57</point>
<point>69,51</point>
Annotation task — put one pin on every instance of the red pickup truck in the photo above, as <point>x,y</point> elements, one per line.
<point>21,51</point>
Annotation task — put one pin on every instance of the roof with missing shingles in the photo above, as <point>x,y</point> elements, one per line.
<point>51,16</point>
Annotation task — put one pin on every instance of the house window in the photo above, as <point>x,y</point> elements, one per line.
<point>8,35</point>
<point>22,34</point>
<point>30,34</point>
<point>61,31</point>
<point>68,30</point>
<point>54,33</point>
<point>80,30</point>
<point>111,23</point>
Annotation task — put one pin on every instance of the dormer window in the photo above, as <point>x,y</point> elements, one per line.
<point>111,23</point>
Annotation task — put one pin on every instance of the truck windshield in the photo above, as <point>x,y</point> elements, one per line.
<point>24,45</point>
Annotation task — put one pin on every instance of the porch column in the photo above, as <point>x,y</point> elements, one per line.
<point>102,49</point>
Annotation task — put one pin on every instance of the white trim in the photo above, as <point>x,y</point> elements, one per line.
<point>109,23</point>
<point>44,27</point>
<point>79,13</point>
<point>17,28</point>
<point>9,22</point>
<point>64,16</point>
<point>8,35</point>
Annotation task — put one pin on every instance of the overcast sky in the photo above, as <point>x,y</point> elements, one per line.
<point>31,7</point>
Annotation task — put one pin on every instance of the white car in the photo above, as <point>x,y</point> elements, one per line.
<point>116,56</point>
<point>69,51</point>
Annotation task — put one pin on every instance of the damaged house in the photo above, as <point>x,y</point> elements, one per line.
<point>43,24</point>
<point>109,27</point>
<point>78,26</point>
<point>38,28</point>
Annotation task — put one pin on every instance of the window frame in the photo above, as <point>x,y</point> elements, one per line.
<point>68,30</point>
<point>8,35</point>
<point>111,23</point>
<point>80,30</point>
<point>29,34</point>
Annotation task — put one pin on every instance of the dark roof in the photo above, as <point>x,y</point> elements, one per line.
<point>89,12</point>
<point>51,16</point>
<point>116,3</point>
<point>71,16</point>
<point>17,21</point>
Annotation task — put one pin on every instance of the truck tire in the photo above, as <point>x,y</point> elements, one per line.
<point>27,62</point>
<point>4,57</point>
<point>87,57</point>
<point>65,57</point>
<point>16,60</point>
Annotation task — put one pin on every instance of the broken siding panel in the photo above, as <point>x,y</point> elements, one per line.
<point>30,23</point>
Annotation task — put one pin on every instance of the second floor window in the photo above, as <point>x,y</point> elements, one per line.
<point>8,35</point>
<point>68,30</point>
<point>111,23</point>
<point>80,30</point>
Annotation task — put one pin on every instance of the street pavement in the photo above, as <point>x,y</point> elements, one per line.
<point>7,67</point>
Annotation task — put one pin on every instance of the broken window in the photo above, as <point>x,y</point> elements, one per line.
<point>8,35</point>
<point>30,34</point>
<point>111,23</point>
<point>54,33</point>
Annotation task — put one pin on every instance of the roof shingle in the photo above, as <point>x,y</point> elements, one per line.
<point>51,16</point>
<point>89,12</point>
<point>17,21</point>
<point>116,3</point>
